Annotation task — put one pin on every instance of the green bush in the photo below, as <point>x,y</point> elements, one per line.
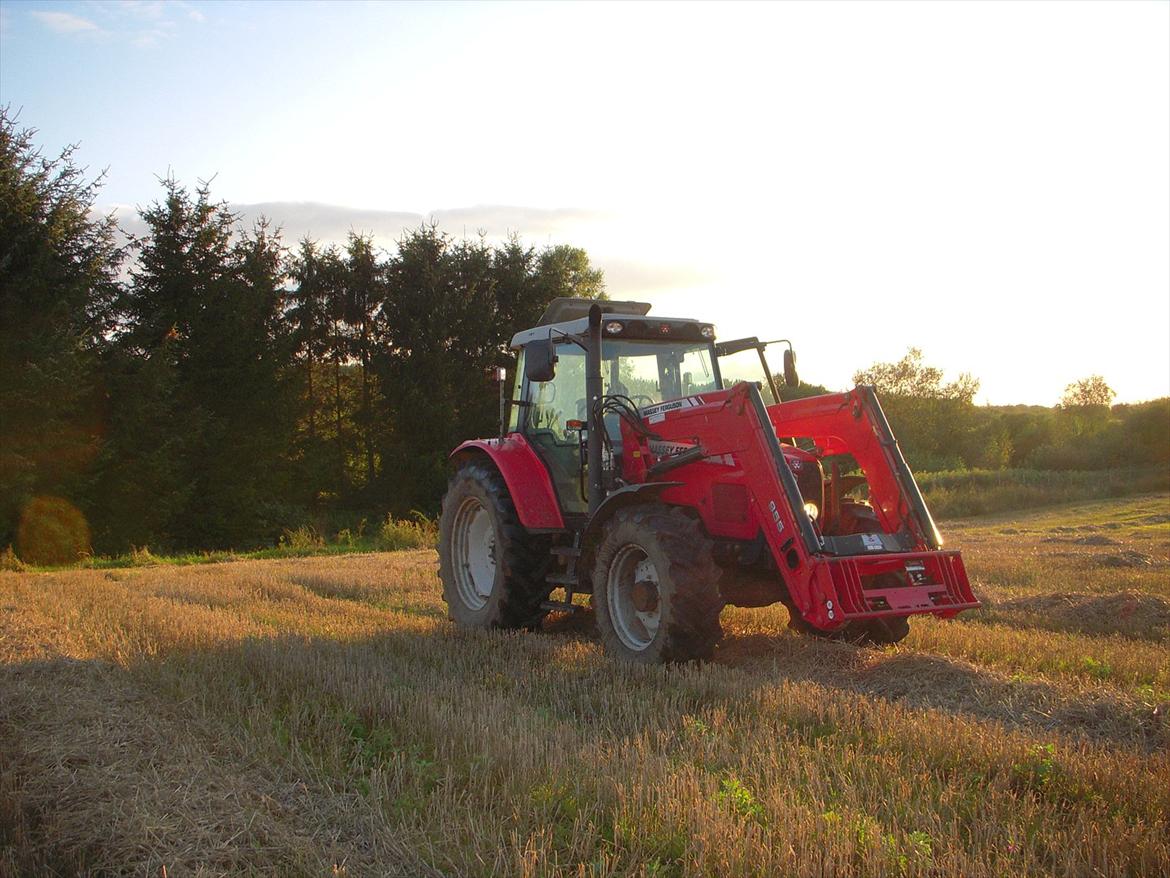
<point>302,539</point>
<point>417,532</point>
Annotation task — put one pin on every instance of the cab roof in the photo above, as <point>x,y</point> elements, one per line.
<point>570,315</point>
<point>565,308</point>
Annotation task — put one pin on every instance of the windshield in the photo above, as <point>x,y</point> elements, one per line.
<point>652,371</point>
<point>746,366</point>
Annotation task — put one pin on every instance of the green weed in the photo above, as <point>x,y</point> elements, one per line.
<point>1037,770</point>
<point>741,799</point>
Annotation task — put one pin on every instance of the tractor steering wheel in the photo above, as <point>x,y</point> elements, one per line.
<point>637,397</point>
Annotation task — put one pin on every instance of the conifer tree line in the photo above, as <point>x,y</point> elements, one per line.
<point>207,385</point>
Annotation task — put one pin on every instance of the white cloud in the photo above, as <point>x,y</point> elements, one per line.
<point>65,23</point>
<point>148,9</point>
<point>143,23</point>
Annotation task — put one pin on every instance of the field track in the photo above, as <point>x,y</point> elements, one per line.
<point>322,717</point>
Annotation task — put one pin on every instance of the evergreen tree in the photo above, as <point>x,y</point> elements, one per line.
<point>312,270</point>
<point>450,310</point>
<point>203,325</point>
<point>58,266</point>
<point>364,291</point>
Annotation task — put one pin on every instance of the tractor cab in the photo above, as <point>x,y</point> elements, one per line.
<point>644,362</point>
<point>649,362</point>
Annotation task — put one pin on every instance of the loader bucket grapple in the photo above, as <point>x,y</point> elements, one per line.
<point>631,470</point>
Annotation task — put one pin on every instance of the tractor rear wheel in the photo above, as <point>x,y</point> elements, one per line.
<point>656,587</point>
<point>492,569</point>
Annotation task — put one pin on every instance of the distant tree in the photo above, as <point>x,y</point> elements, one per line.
<point>58,269</point>
<point>801,391</point>
<point>1147,430</point>
<point>934,420</point>
<point>1084,415</point>
<point>566,271</point>
<point>1091,391</point>
<point>910,377</point>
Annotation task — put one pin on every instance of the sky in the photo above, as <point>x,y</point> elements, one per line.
<point>989,182</point>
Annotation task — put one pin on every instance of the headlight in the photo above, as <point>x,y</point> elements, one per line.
<point>810,509</point>
<point>707,332</point>
<point>613,327</point>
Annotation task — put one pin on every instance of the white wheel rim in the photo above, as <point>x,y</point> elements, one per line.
<point>473,543</point>
<point>635,628</point>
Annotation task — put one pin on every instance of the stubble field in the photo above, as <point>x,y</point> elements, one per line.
<point>320,716</point>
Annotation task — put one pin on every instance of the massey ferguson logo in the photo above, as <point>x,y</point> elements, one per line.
<point>655,413</point>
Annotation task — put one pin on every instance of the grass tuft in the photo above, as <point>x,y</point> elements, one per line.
<point>11,563</point>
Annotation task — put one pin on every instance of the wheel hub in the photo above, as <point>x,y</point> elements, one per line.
<point>633,597</point>
<point>644,596</point>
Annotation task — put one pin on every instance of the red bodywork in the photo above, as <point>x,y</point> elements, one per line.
<point>739,491</point>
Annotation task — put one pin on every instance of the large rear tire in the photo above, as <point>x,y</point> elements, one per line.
<point>656,587</point>
<point>492,569</point>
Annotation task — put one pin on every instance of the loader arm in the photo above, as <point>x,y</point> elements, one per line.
<point>828,580</point>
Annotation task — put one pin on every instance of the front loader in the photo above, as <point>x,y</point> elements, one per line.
<point>639,465</point>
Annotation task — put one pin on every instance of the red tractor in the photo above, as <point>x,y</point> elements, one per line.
<point>632,467</point>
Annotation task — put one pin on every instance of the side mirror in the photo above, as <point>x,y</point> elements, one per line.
<point>790,376</point>
<point>540,360</point>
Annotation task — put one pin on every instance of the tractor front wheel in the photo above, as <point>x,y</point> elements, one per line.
<point>882,631</point>
<point>656,587</point>
<point>492,569</point>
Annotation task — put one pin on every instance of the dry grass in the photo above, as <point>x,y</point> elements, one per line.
<point>320,716</point>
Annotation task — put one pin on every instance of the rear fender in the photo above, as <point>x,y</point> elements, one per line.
<point>525,475</point>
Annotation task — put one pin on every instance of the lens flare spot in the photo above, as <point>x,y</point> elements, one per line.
<point>52,531</point>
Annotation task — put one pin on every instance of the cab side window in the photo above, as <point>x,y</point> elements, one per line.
<point>556,402</point>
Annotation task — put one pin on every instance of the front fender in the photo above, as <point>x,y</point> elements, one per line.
<point>626,496</point>
<point>525,475</point>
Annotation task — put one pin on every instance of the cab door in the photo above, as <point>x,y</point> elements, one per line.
<point>551,405</point>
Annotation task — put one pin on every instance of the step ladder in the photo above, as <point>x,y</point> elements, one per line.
<point>565,576</point>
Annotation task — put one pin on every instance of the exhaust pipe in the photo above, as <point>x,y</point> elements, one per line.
<point>596,488</point>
